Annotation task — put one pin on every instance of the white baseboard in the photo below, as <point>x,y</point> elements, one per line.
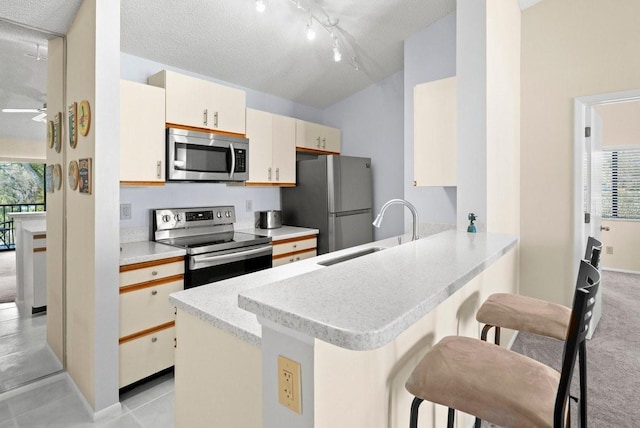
<point>32,385</point>
<point>113,410</point>
<point>620,270</point>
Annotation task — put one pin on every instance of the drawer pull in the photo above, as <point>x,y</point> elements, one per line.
<point>154,292</point>
<point>154,339</point>
<point>295,245</point>
<point>154,273</point>
<point>298,258</point>
<point>291,260</point>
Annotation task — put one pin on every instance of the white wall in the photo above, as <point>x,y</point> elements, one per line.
<point>143,199</point>
<point>429,55</point>
<point>372,126</point>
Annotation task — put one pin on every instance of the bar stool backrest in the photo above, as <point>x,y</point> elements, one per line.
<point>593,244</point>
<point>587,286</point>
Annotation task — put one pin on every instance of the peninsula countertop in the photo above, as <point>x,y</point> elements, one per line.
<point>366,302</point>
<point>357,304</point>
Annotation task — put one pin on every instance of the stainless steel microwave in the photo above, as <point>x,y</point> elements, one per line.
<point>202,156</point>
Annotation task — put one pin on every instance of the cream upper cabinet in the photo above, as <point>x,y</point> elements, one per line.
<point>284,149</point>
<point>201,104</point>
<point>434,133</point>
<point>272,151</point>
<point>317,138</point>
<point>142,134</point>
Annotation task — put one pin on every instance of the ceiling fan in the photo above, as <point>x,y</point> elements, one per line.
<point>40,117</point>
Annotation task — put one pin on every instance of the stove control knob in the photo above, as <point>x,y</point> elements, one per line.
<point>166,218</point>
<point>227,214</point>
<point>178,218</point>
<point>219,214</point>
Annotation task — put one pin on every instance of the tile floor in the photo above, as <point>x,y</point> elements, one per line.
<point>58,405</point>
<point>24,353</point>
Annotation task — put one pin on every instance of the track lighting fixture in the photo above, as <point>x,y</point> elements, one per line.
<point>311,32</point>
<point>315,12</point>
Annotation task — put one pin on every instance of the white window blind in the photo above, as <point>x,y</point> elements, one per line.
<point>621,183</point>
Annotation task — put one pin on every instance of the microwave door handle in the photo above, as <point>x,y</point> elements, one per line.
<point>233,160</point>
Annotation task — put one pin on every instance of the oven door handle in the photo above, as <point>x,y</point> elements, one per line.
<point>198,262</point>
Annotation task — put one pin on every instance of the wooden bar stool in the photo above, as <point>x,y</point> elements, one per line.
<point>501,386</point>
<point>537,316</point>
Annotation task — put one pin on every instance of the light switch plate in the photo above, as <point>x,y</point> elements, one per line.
<point>125,211</point>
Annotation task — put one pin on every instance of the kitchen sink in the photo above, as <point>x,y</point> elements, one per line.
<point>350,256</point>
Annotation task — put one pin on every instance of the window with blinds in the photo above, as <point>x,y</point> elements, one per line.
<point>621,183</point>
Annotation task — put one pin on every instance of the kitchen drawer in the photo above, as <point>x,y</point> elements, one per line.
<point>147,307</point>
<point>294,245</point>
<point>149,271</point>
<point>290,258</point>
<point>146,355</point>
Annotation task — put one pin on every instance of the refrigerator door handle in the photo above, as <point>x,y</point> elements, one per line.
<point>353,212</point>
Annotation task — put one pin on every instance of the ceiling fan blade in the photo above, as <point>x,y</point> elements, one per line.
<point>42,117</point>
<point>20,110</point>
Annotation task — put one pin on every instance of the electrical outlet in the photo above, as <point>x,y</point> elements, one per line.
<point>609,249</point>
<point>125,211</point>
<point>248,205</point>
<point>289,385</point>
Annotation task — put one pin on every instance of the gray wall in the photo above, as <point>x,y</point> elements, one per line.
<point>371,122</point>
<point>428,55</point>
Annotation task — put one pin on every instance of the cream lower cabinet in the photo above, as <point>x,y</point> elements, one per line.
<point>147,320</point>
<point>142,134</point>
<point>272,149</point>
<point>434,133</point>
<point>200,103</point>
<point>292,250</point>
<point>317,138</point>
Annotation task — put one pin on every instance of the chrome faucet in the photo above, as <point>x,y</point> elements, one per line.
<point>378,221</point>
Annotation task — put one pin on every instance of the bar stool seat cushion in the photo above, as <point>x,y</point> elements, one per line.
<point>525,314</point>
<point>482,379</point>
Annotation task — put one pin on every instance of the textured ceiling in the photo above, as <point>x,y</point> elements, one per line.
<point>227,40</point>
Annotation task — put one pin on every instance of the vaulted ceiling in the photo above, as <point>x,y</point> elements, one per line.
<point>229,40</point>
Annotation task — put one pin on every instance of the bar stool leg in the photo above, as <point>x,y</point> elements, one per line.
<point>450,418</point>
<point>478,423</point>
<point>413,423</point>
<point>485,330</point>
<point>582,355</point>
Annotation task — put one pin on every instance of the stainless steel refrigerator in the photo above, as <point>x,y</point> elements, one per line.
<point>333,194</point>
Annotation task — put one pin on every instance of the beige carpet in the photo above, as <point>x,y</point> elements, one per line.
<point>613,356</point>
<point>7,276</point>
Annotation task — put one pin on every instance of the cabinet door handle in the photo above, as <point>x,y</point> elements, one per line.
<point>159,169</point>
<point>205,118</point>
<point>215,119</point>
<point>269,173</point>
<point>154,292</point>
<point>291,260</point>
<point>318,142</point>
<point>277,174</point>
<point>295,245</point>
<point>324,143</point>
<point>154,273</point>
<point>298,258</point>
<point>154,339</point>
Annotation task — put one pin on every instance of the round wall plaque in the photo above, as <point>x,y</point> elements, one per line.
<point>73,175</point>
<point>84,117</point>
<point>57,176</point>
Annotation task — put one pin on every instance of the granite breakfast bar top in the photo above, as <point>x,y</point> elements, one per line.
<point>366,302</point>
<point>358,304</point>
